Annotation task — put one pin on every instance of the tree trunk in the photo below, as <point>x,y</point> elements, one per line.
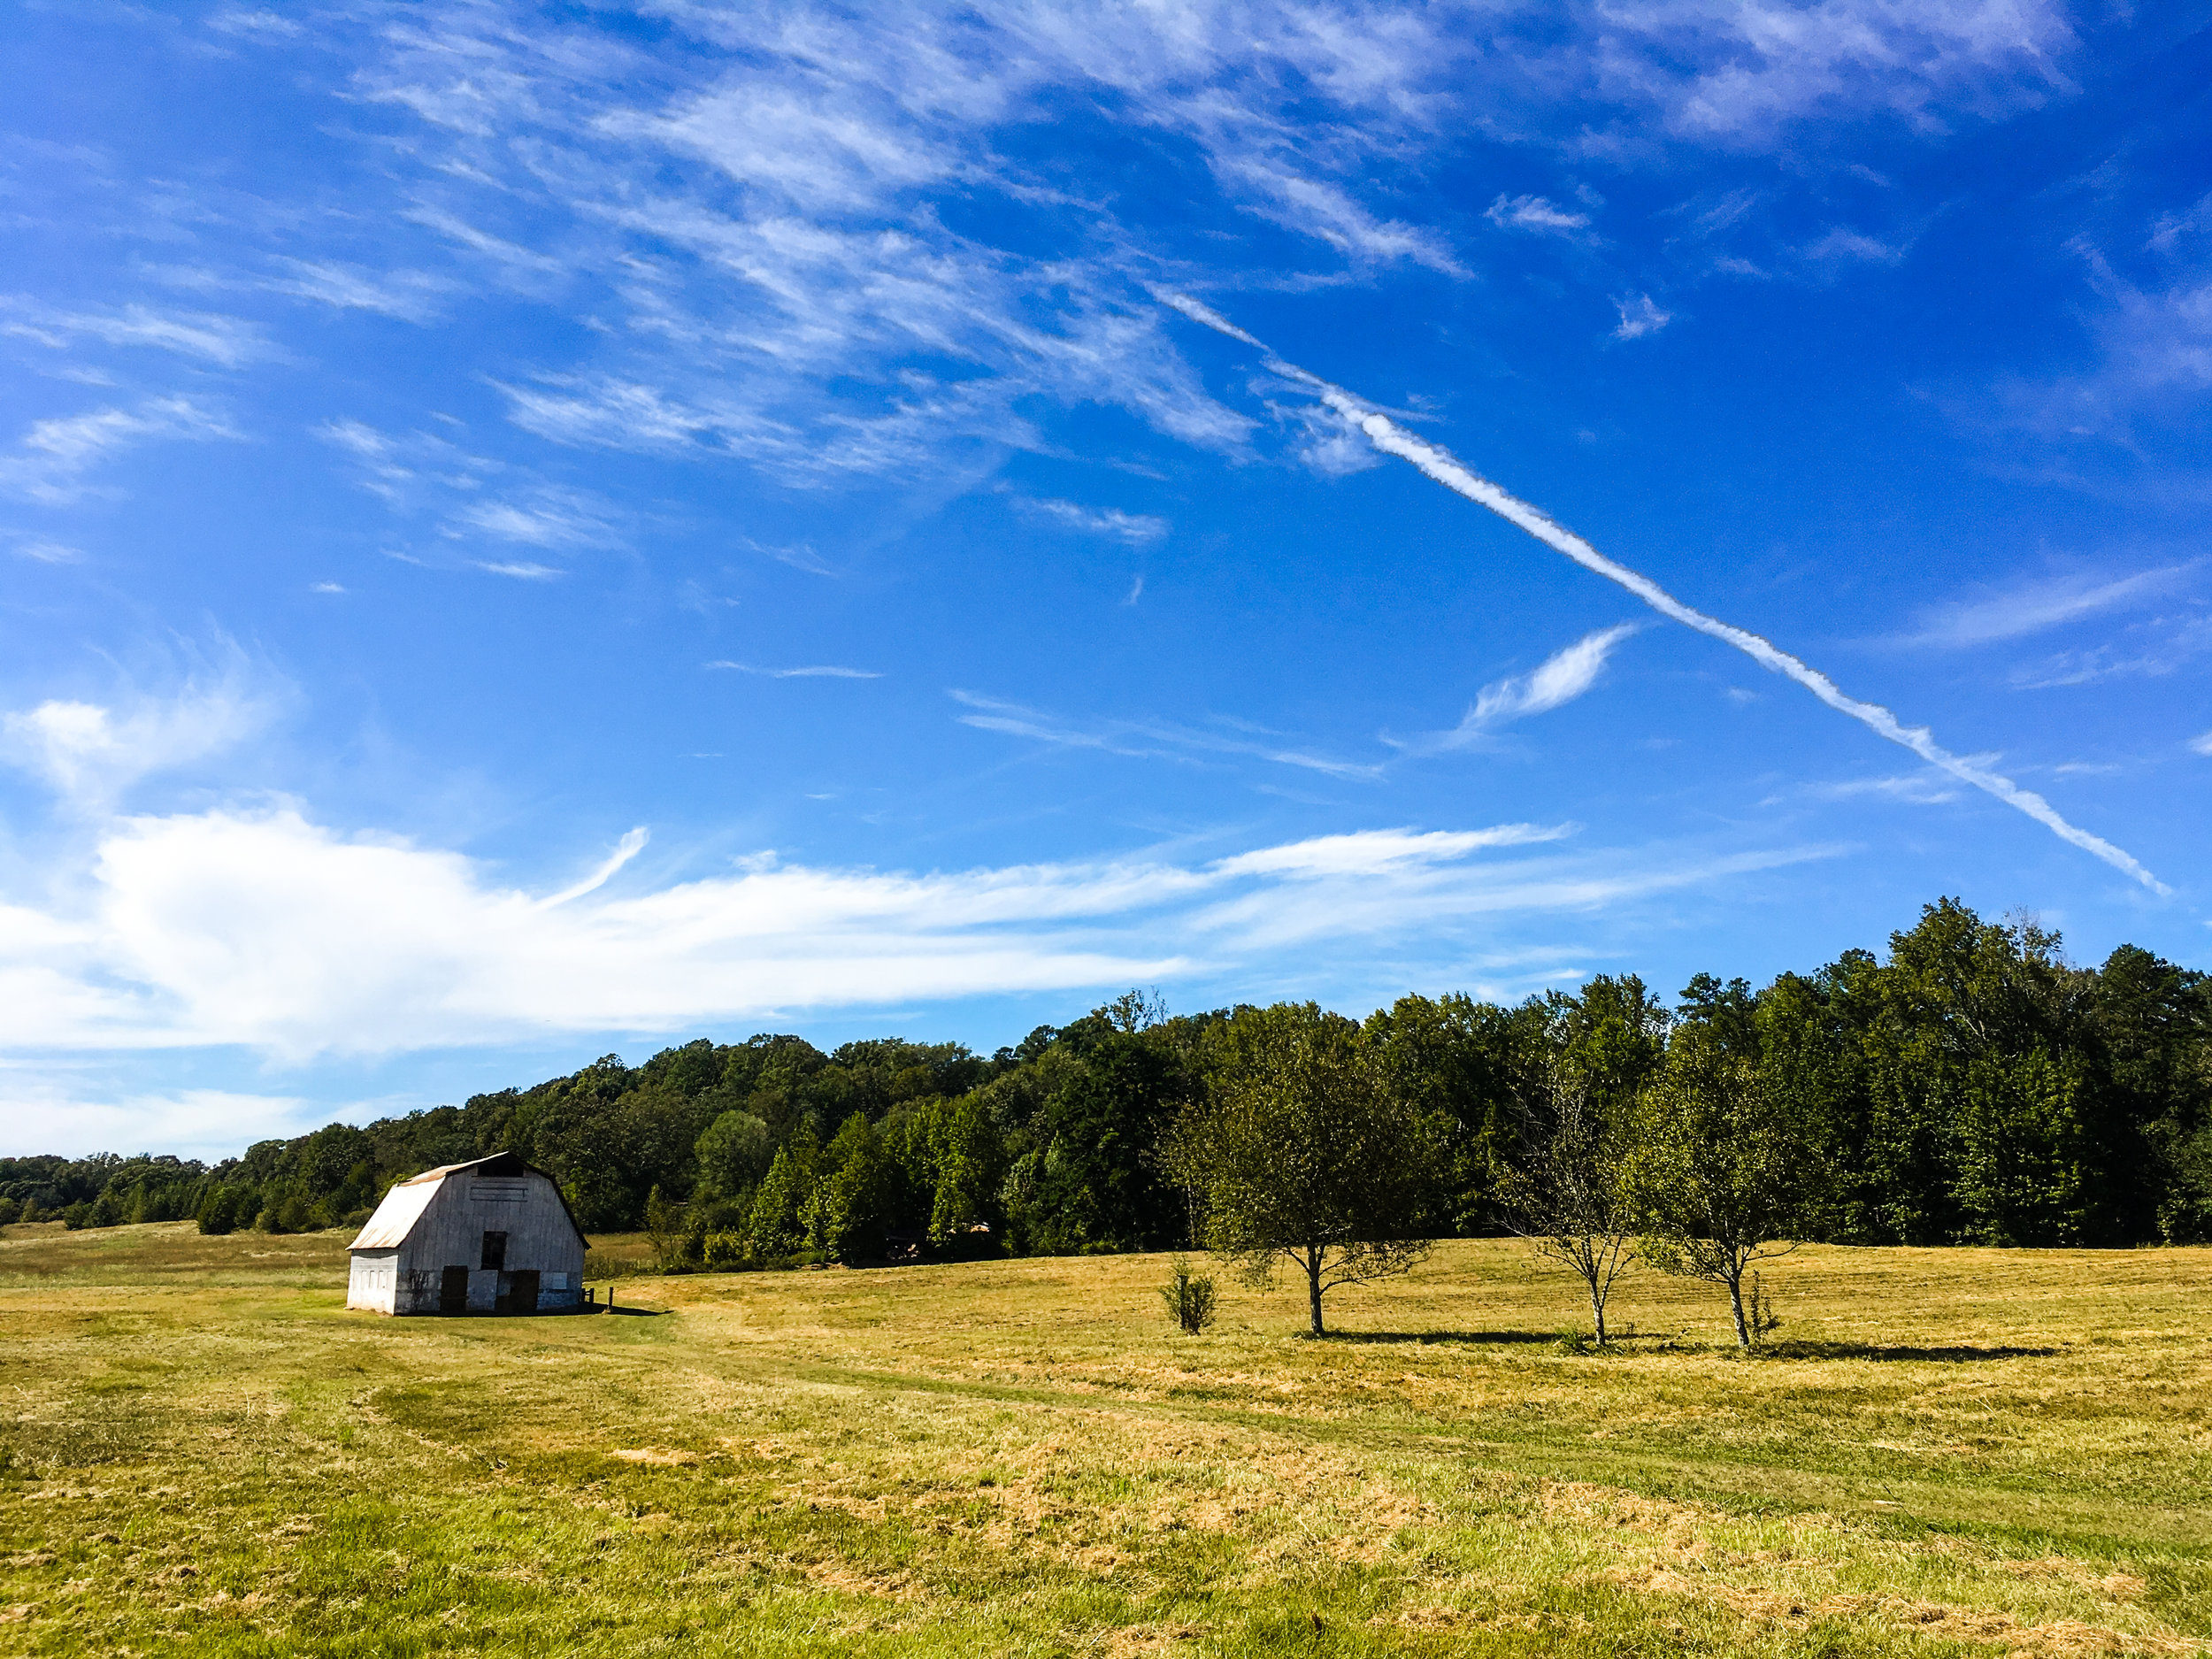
<point>1735,1306</point>
<point>1313,1288</point>
<point>1597,1310</point>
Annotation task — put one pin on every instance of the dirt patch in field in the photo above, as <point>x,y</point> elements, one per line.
<point>2060,1639</point>
<point>849,1580</point>
<point>1132,1640</point>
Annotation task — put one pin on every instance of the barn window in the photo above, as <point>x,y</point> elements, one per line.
<point>495,1251</point>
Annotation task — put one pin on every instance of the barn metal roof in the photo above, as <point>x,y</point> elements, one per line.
<point>403,1206</point>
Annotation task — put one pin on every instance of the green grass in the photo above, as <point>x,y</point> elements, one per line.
<point>1949,1452</point>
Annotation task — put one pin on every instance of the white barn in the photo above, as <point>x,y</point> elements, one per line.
<point>490,1236</point>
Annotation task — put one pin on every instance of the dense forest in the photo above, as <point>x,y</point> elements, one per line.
<point>1973,1088</point>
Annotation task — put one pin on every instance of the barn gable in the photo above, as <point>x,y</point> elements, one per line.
<point>492,1235</point>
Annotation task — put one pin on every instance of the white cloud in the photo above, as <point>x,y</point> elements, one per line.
<point>545,517</point>
<point>412,297</point>
<point>820,671</point>
<point>1326,210</point>
<point>2149,648</point>
<point>1137,529</point>
<point>2153,345</point>
<point>49,464</point>
<point>266,930</point>
<point>2174,232</point>
<point>89,753</point>
<point>1151,740</point>
<point>2201,745</point>
<point>1537,214</point>
<point>1839,244</point>
<point>1640,317</point>
<point>1200,312</point>
<point>757,200</point>
<point>48,552</point>
<point>238,21</point>
<point>520,264</point>
<point>38,1115</point>
<point>1380,852</point>
<point>1916,788</point>
<point>474,497</point>
<point>226,341</point>
<point>2034,607</point>
<point>1560,678</point>
<point>1736,74</point>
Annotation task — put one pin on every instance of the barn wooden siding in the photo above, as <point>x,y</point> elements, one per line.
<point>439,1221</point>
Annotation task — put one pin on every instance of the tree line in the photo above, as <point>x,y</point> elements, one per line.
<point>1972,1086</point>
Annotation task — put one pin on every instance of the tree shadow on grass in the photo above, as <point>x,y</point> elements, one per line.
<point>1959,1353</point>
<point>1440,1336</point>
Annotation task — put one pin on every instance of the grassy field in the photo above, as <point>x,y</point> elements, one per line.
<point>1950,1451</point>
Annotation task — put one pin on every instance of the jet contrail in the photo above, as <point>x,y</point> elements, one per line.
<point>1447,470</point>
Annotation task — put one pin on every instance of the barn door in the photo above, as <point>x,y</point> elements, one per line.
<point>453,1291</point>
<point>522,1291</point>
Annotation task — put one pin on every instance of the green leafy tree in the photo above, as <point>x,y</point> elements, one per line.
<point>732,1155</point>
<point>1477,1070</point>
<point>778,1225</point>
<point>2027,1171</point>
<point>968,1161</point>
<point>2153,1029</point>
<point>219,1210</point>
<point>1613,1033</point>
<point>854,1205</point>
<point>1302,1152</point>
<point>1088,1123</point>
<point>1719,1177</point>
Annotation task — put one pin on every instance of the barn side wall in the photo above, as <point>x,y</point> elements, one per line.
<point>372,1284</point>
<point>540,1238</point>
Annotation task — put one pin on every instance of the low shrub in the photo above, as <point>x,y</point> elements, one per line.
<point>1189,1297</point>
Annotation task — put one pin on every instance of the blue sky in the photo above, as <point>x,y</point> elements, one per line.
<point>532,531</point>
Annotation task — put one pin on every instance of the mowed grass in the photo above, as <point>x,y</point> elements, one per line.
<point>1948,1451</point>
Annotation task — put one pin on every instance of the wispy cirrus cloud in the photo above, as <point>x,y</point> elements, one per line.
<point>1639,316</point>
<point>1561,677</point>
<point>1739,75</point>
<point>90,754</point>
<point>544,516</point>
<point>747,207</point>
<point>1912,788</point>
<point>1137,529</point>
<point>45,551</point>
<point>473,498</point>
<point>2150,648</point>
<point>823,671</point>
<point>2038,605</point>
<point>1537,214</point>
<point>767,210</point>
<point>1839,245</point>
<point>1155,740</point>
<point>407,295</point>
<point>208,336</point>
<point>50,462</point>
<point>2150,327</point>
